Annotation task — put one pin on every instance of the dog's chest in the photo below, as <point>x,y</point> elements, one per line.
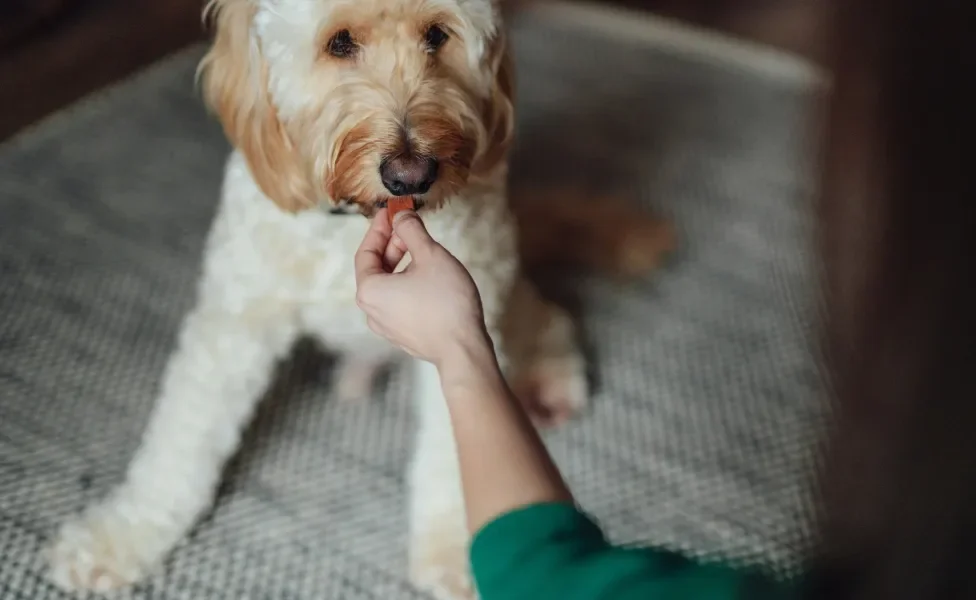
<point>305,262</point>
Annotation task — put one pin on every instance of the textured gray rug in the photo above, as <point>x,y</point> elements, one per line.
<point>704,431</point>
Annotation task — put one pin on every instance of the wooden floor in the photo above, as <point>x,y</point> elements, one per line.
<point>106,40</point>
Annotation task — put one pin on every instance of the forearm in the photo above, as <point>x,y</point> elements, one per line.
<point>504,465</point>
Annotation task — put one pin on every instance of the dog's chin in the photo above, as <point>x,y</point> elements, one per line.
<point>370,208</point>
<point>356,205</point>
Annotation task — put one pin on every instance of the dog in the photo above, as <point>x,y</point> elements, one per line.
<point>332,107</point>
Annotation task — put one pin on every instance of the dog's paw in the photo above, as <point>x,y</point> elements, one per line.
<point>104,550</point>
<point>554,390</point>
<point>440,568</point>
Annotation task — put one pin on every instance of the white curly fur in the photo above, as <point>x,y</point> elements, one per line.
<point>278,265</point>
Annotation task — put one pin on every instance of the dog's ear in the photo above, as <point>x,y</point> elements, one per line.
<point>235,86</point>
<point>500,111</point>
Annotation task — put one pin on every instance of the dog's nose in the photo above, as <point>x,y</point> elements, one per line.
<point>408,174</point>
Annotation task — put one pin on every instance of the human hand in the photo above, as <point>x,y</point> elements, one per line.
<point>432,309</point>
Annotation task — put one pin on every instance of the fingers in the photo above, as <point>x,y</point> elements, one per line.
<point>395,251</point>
<point>369,256</point>
<point>381,222</point>
<point>410,229</point>
<point>396,241</point>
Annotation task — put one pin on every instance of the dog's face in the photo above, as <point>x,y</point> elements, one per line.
<point>354,101</point>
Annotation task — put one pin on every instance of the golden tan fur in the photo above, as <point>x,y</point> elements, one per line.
<point>500,113</point>
<point>237,90</point>
<point>609,235</point>
<point>286,154</point>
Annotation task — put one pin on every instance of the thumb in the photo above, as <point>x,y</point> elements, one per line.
<point>410,229</point>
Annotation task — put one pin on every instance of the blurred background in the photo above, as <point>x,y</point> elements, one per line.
<point>55,51</point>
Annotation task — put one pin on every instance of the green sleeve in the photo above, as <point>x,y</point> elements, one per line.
<point>554,552</point>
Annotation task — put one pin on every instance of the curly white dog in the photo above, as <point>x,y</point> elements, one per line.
<point>333,106</point>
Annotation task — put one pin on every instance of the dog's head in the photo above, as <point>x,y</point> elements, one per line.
<point>354,101</point>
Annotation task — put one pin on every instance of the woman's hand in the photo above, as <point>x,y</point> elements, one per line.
<point>431,309</point>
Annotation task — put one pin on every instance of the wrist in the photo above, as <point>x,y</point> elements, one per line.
<point>471,362</point>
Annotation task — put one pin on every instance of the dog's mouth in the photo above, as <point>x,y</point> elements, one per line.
<point>418,202</point>
<point>351,206</point>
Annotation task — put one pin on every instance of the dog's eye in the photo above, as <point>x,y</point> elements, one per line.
<point>341,45</point>
<point>434,38</point>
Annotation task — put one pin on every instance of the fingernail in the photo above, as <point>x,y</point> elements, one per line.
<point>402,215</point>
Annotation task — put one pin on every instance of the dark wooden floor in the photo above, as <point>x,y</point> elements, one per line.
<point>88,48</point>
<point>101,41</point>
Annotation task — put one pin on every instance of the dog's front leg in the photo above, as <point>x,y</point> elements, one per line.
<point>220,369</point>
<point>438,526</point>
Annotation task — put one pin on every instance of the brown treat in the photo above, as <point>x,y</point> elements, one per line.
<point>399,204</point>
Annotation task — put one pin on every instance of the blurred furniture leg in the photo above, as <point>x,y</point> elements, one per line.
<point>899,237</point>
